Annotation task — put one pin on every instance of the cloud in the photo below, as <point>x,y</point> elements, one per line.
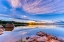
<point>24,16</point>
<point>15,3</point>
<point>3,15</point>
<point>39,6</point>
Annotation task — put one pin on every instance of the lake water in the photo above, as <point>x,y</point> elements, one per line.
<point>23,31</point>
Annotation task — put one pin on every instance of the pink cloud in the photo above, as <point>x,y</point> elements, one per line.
<point>15,3</point>
<point>39,6</point>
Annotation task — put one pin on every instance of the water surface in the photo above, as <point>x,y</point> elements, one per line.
<point>23,31</point>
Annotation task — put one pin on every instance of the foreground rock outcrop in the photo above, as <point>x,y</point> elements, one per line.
<point>42,37</point>
<point>1,29</point>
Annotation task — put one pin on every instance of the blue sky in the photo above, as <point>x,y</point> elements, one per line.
<point>32,9</point>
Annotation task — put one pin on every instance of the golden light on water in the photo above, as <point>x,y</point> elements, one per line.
<point>38,26</point>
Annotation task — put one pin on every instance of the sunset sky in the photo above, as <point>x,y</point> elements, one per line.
<point>32,9</point>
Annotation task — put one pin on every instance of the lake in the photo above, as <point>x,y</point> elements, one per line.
<point>23,31</point>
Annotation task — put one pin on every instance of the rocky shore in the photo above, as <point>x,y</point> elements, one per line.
<point>1,29</point>
<point>42,37</point>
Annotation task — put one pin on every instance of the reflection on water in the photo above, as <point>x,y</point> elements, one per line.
<point>39,26</point>
<point>61,26</point>
<point>22,31</point>
<point>51,29</point>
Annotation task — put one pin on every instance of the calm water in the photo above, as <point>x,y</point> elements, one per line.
<point>23,31</point>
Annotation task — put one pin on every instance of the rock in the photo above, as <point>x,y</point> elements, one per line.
<point>1,29</point>
<point>9,27</point>
<point>43,37</point>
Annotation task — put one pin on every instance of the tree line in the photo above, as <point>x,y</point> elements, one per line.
<point>3,23</point>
